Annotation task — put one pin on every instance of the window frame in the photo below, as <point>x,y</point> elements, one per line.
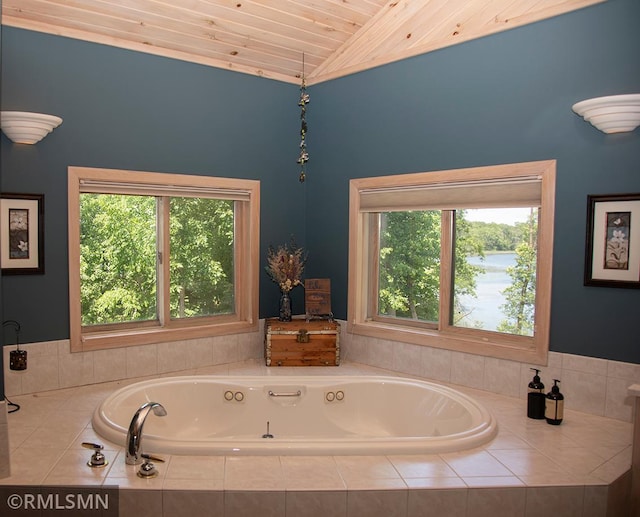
<point>246,261</point>
<point>363,277</point>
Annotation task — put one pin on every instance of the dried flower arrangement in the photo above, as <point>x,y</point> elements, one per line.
<point>285,265</point>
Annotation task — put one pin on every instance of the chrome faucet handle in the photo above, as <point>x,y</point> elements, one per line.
<point>151,458</point>
<point>148,469</point>
<point>94,446</point>
<point>97,459</point>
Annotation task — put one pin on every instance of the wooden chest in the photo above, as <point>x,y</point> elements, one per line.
<point>301,343</point>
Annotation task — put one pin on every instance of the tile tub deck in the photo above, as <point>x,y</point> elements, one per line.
<point>580,468</point>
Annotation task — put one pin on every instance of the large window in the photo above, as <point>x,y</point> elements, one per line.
<point>456,259</point>
<point>158,257</point>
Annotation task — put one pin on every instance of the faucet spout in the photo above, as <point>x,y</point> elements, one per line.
<point>134,435</point>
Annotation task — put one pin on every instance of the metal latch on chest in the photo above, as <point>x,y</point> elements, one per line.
<point>302,336</point>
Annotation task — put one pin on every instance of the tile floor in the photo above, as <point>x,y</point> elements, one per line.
<point>530,468</point>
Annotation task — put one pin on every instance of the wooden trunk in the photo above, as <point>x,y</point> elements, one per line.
<point>301,343</point>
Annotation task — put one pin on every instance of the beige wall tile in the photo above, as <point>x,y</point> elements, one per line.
<point>584,364</point>
<point>620,370</point>
<point>250,504</point>
<point>172,357</point>
<point>491,502</point>
<point>316,503</point>
<point>192,503</point>
<point>437,503</point>
<point>199,353</point>
<point>407,359</point>
<point>75,369</point>
<point>142,360</point>
<point>502,376</point>
<point>584,392</point>
<point>565,501</point>
<point>377,503</point>
<point>134,503</point>
<point>467,370</point>
<point>436,364</point>
<point>225,349</point>
<point>110,365</point>
<point>595,501</point>
<point>42,373</point>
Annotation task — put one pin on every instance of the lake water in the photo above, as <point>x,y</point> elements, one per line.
<point>484,310</point>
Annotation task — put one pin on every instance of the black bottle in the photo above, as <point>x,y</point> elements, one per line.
<point>535,397</point>
<point>554,408</point>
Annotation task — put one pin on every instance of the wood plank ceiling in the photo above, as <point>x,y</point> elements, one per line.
<point>272,38</point>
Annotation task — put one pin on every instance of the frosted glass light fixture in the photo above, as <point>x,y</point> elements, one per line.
<point>612,114</point>
<point>24,127</point>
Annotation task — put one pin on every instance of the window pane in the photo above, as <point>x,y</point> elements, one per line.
<point>495,286</point>
<point>117,258</point>
<point>409,265</point>
<point>201,261</point>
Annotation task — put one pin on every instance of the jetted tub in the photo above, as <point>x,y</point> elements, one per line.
<point>208,415</point>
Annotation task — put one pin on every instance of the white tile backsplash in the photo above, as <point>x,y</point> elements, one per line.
<point>198,352</point>
<point>407,358</point>
<point>51,365</point>
<point>591,385</point>
<point>109,365</point>
<point>467,369</point>
<point>142,360</point>
<point>586,391</point>
<point>502,376</point>
<point>580,363</point>
<point>436,363</point>
<point>74,369</point>
<point>171,357</point>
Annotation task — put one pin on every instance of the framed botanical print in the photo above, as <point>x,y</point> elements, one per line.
<point>613,241</point>
<point>22,233</point>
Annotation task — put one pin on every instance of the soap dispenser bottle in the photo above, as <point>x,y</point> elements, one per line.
<point>536,397</point>
<point>554,407</point>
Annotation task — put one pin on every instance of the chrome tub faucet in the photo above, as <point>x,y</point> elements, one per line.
<point>134,435</point>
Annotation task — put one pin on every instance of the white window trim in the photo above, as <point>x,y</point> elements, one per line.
<point>246,267</point>
<point>492,344</point>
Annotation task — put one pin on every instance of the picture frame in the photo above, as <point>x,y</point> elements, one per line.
<point>612,257</point>
<point>22,233</point>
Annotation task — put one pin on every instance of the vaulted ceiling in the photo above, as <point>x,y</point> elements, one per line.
<point>279,39</point>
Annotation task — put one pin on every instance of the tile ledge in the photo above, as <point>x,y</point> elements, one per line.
<point>634,390</point>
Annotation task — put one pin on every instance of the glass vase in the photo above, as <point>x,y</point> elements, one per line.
<point>285,307</point>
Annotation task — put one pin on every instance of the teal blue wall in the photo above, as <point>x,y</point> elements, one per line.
<point>500,99</point>
<point>136,111</point>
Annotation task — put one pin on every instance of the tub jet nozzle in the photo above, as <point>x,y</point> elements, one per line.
<point>267,434</point>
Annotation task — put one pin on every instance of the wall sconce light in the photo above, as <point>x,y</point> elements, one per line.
<point>612,114</point>
<point>23,127</point>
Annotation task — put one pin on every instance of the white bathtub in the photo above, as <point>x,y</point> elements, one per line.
<point>306,415</point>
